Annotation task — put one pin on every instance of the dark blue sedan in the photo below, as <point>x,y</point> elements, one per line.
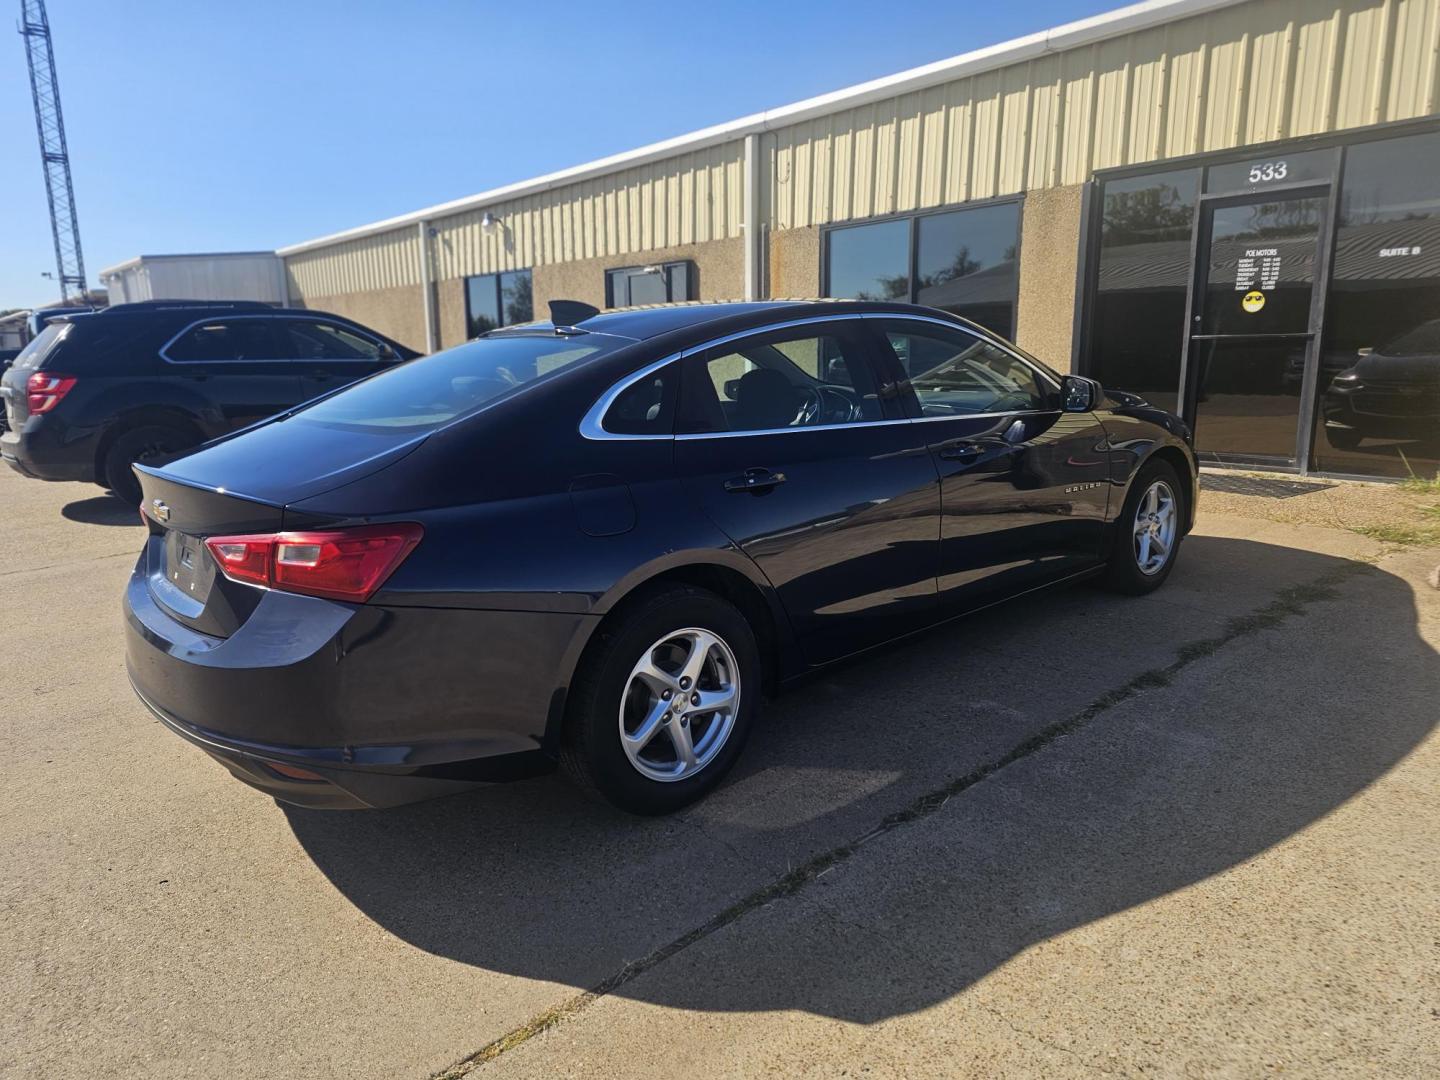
<point>603,540</point>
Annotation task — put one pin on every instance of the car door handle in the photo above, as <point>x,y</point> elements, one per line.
<point>755,480</point>
<point>961,451</point>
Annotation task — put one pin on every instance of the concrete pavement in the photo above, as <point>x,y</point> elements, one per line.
<point>1192,834</point>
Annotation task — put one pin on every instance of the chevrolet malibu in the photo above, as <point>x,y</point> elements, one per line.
<point>601,541</point>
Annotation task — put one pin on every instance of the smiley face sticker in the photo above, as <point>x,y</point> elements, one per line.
<point>1253,301</point>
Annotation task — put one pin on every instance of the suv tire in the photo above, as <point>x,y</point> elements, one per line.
<point>152,442</point>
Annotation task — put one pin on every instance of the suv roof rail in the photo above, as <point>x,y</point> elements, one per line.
<point>191,305</point>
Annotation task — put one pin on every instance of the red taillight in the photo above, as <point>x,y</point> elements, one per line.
<point>44,389</point>
<point>341,564</point>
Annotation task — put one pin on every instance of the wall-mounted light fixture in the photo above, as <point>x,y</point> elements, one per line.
<point>488,221</point>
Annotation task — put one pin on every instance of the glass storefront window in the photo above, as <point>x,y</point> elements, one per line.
<point>1138,328</point>
<point>660,283</point>
<point>965,264</point>
<point>870,262</point>
<point>1379,409</point>
<point>495,300</point>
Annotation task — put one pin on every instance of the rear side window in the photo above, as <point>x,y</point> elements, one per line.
<point>224,341</point>
<point>47,342</point>
<point>646,406</point>
<point>433,390</point>
<point>301,339</point>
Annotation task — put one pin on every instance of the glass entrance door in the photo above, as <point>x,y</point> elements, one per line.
<point>1255,319</point>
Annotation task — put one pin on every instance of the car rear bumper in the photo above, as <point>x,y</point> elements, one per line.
<point>382,706</point>
<point>31,455</point>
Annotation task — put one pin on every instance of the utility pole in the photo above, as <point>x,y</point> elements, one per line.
<point>50,125</point>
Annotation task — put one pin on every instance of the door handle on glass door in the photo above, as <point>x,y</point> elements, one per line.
<point>755,480</point>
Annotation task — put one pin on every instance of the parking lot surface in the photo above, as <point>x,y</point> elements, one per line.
<point>1190,834</point>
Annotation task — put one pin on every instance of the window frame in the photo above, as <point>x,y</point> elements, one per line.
<point>692,280</point>
<point>592,426</point>
<point>164,354</point>
<point>495,276</point>
<point>913,263</point>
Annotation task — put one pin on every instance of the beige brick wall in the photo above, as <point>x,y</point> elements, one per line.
<point>794,269</point>
<point>395,312</point>
<point>1049,254</point>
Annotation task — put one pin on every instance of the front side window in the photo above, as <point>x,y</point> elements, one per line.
<point>423,394</point>
<point>305,340</point>
<point>955,373</point>
<point>661,283</point>
<point>496,300</point>
<point>788,379</point>
<point>225,341</point>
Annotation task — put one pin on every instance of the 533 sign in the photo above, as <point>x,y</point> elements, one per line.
<point>1268,171</point>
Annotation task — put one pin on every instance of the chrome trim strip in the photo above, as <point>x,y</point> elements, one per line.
<point>264,359</point>
<point>591,426</point>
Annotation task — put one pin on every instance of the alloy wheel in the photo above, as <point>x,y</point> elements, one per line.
<point>1155,527</point>
<point>679,704</point>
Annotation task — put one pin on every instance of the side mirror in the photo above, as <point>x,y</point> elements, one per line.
<point>385,354</point>
<point>1079,394</point>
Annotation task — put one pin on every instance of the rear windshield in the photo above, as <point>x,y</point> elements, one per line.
<point>433,390</point>
<point>34,354</point>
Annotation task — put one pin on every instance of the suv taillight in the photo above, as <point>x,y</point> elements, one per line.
<point>44,389</point>
<point>338,564</point>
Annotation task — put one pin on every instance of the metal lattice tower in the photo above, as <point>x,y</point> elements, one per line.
<point>50,124</point>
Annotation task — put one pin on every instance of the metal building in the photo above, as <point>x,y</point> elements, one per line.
<point>229,275</point>
<point>1232,208</point>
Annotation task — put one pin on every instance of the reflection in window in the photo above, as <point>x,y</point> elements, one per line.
<point>1138,329</point>
<point>496,300</point>
<point>1380,361</point>
<point>661,283</point>
<point>954,373</point>
<point>870,262</point>
<point>965,264</point>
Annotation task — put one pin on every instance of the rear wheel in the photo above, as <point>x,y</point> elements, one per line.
<point>1343,438</point>
<point>1148,531</point>
<point>662,706</point>
<point>151,443</point>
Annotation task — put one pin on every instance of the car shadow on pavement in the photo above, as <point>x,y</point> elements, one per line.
<point>104,509</point>
<point>1031,769</point>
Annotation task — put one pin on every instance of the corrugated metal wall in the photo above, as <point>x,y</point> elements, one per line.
<point>1272,69</point>
<point>1255,72</point>
<point>687,199</point>
<point>684,200</point>
<point>383,261</point>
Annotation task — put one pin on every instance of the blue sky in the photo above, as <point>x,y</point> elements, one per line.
<point>206,126</point>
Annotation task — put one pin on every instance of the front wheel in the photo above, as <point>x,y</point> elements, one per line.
<point>663,704</point>
<point>1148,532</point>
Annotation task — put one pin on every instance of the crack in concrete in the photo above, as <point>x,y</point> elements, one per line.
<point>131,553</point>
<point>1285,604</point>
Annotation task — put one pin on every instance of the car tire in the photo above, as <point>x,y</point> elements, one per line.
<point>1343,438</point>
<point>1156,505</point>
<point>621,731</point>
<point>153,442</point>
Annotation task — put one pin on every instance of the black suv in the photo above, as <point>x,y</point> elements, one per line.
<point>142,382</point>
